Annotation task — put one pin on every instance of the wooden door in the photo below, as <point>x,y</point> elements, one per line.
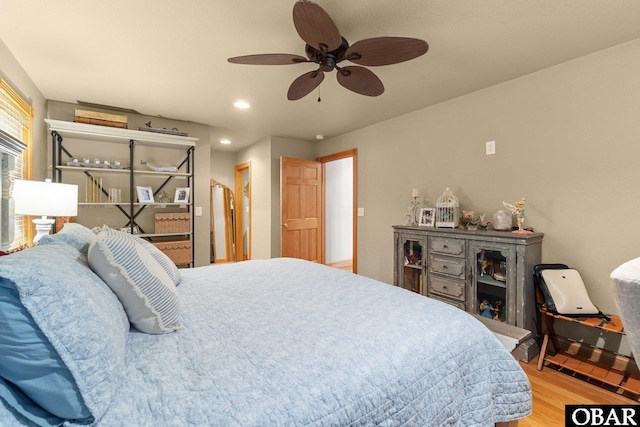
<point>301,182</point>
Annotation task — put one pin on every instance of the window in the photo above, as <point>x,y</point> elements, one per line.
<point>16,122</point>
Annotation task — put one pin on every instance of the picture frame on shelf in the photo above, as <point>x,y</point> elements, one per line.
<point>145,194</point>
<point>427,217</point>
<point>182,195</point>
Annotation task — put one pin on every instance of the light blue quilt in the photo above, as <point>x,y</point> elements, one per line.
<point>286,342</point>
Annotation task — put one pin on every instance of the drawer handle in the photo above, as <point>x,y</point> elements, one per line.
<point>444,267</point>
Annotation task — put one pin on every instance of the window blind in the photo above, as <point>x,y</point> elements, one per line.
<point>16,121</point>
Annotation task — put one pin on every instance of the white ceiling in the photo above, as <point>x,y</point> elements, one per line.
<point>169,58</point>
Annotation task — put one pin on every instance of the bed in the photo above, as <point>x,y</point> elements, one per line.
<point>281,342</point>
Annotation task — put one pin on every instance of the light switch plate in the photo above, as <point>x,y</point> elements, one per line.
<point>490,147</point>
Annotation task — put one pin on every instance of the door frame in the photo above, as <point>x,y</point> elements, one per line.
<point>353,153</point>
<point>240,209</point>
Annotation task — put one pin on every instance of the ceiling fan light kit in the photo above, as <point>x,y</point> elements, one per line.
<point>326,47</point>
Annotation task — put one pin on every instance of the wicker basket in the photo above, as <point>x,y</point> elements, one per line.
<point>172,222</point>
<point>178,251</point>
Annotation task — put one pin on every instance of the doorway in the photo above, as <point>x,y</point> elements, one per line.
<point>340,208</point>
<point>319,200</point>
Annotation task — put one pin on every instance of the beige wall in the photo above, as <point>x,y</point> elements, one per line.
<point>259,157</point>
<point>568,140</point>
<point>223,168</point>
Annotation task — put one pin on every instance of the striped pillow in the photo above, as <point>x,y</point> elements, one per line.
<point>164,261</point>
<point>145,290</point>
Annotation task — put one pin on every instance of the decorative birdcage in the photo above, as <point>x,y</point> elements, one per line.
<point>447,210</point>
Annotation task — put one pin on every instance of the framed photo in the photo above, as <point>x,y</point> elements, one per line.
<point>145,194</point>
<point>182,195</point>
<point>427,217</point>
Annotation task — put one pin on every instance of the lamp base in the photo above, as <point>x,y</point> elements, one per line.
<point>43,227</point>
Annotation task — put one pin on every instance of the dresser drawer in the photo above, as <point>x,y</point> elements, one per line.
<point>448,266</point>
<point>452,247</point>
<point>457,304</point>
<point>449,288</point>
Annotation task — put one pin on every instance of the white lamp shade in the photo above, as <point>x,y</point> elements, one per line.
<point>45,198</point>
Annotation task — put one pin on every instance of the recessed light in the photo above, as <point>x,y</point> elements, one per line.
<point>241,104</point>
<point>225,141</point>
<point>319,137</point>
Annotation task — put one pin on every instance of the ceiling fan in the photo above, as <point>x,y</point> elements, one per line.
<point>327,48</point>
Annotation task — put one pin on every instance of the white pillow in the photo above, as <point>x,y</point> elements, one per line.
<point>145,290</point>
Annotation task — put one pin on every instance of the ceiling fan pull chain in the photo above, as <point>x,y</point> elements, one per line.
<point>319,99</point>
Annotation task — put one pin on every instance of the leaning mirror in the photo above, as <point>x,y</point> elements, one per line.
<point>222,223</point>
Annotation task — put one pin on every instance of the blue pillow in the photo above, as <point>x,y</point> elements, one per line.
<point>13,398</point>
<point>63,336</point>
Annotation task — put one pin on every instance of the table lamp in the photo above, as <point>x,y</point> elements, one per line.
<point>38,198</point>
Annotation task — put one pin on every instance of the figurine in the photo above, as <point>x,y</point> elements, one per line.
<point>486,264</point>
<point>486,309</point>
<point>496,310</point>
<point>489,311</point>
<point>518,211</point>
<point>469,220</point>
<point>482,224</point>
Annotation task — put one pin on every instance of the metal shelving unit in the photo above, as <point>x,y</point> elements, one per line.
<point>131,209</point>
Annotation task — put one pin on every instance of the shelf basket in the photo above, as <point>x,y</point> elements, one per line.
<point>178,251</point>
<point>447,210</point>
<point>172,223</point>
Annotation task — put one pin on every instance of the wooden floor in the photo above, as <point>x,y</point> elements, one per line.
<point>552,390</point>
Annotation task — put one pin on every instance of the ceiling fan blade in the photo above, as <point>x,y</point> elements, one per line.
<point>268,59</point>
<point>386,50</point>
<point>360,80</point>
<point>315,26</point>
<point>304,84</point>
